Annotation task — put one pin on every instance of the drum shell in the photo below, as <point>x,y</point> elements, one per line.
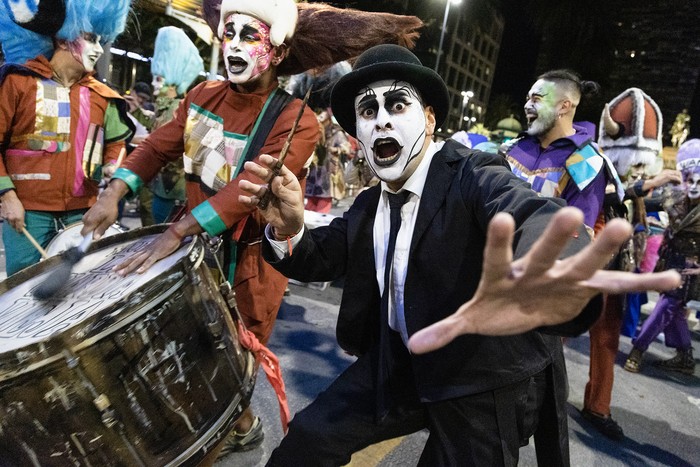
<point>157,378</point>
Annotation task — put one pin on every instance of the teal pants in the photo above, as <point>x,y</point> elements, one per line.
<point>43,226</point>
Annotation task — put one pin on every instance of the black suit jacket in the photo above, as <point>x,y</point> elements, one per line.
<point>463,191</point>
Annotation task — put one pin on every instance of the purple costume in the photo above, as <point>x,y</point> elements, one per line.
<point>679,250</point>
<point>569,168</point>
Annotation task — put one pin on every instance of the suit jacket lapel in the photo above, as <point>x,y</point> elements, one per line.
<point>439,180</point>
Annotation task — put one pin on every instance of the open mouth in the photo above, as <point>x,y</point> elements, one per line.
<point>237,65</point>
<point>386,151</point>
<point>531,118</point>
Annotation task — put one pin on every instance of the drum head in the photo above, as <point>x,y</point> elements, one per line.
<point>92,287</point>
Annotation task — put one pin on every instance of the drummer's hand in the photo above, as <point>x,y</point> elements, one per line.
<point>108,170</point>
<point>285,211</point>
<point>12,210</point>
<point>162,246</point>
<point>105,211</point>
<point>538,289</point>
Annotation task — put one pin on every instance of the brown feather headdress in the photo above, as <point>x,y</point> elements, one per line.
<point>326,35</point>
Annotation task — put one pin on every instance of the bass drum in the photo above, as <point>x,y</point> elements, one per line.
<point>70,237</point>
<point>142,370</point>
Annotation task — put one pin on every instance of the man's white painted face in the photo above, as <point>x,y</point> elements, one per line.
<point>692,185</point>
<point>87,50</point>
<point>391,127</point>
<point>541,108</point>
<point>246,47</point>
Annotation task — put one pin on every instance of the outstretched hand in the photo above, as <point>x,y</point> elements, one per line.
<point>539,289</point>
<point>285,211</point>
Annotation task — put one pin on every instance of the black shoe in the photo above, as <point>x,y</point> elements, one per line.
<point>605,425</point>
<point>237,442</point>
<point>683,362</point>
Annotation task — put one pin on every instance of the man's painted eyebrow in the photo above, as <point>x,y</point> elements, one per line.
<point>397,92</point>
<point>367,98</point>
<point>247,29</point>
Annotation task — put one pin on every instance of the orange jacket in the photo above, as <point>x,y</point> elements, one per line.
<point>55,140</point>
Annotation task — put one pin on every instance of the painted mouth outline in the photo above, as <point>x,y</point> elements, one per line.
<point>384,161</point>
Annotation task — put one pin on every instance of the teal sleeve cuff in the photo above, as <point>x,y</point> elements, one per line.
<point>130,178</point>
<point>6,183</point>
<point>209,219</point>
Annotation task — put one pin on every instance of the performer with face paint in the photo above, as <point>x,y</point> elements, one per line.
<point>413,250</point>
<point>61,128</point>
<point>680,250</point>
<point>557,156</point>
<point>220,124</point>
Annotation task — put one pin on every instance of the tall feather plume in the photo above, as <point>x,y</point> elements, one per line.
<point>326,35</point>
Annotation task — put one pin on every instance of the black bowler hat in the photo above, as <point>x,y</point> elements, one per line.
<point>388,61</point>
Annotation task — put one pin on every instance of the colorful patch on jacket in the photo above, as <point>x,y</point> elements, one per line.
<point>211,154</point>
<point>52,127</point>
<point>584,165</point>
<point>547,181</point>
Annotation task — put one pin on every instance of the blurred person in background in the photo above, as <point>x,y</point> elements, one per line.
<point>630,136</point>
<point>175,65</point>
<point>679,250</point>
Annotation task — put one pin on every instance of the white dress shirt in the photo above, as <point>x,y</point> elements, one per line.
<point>382,224</point>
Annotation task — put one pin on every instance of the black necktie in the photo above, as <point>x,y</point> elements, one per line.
<point>396,201</point>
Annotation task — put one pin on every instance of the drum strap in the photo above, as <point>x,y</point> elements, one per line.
<point>274,105</point>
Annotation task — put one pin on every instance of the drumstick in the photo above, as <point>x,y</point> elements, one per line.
<point>33,241</point>
<point>120,158</point>
<point>265,199</point>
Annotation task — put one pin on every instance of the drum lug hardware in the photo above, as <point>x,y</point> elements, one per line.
<point>103,404</point>
<point>229,294</point>
<point>71,359</point>
<point>214,243</point>
<point>216,328</point>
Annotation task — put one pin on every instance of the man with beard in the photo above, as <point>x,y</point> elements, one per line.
<point>60,128</point>
<point>413,250</point>
<point>557,156</point>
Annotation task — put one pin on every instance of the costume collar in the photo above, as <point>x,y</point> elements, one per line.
<point>580,138</point>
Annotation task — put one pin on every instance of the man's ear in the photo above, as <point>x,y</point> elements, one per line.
<point>60,44</point>
<point>279,53</point>
<point>566,105</point>
<point>429,120</point>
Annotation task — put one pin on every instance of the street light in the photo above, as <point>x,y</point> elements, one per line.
<point>444,26</point>
<point>466,95</point>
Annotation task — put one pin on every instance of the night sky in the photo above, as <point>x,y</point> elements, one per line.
<point>515,69</point>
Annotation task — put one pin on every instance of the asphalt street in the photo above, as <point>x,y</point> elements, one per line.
<point>659,411</point>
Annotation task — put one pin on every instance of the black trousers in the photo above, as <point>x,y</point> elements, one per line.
<point>476,430</point>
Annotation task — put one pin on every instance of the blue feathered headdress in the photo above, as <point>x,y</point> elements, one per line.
<point>176,58</point>
<point>28,26</point>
